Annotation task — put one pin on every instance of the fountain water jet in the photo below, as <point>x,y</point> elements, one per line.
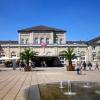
<point>69,92</point>
<point>86,85</point>
<point>61,85</point>
<point>98,91</point>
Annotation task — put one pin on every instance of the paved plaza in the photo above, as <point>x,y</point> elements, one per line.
<point>20,85</point>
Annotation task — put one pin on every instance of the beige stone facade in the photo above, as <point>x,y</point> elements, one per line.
<point>55,43</point>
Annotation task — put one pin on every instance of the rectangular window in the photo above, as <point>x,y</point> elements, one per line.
<point>60,41</point>
<point>56,40</point>
<point>2,54</point>
<point>27,41</point>
<point>47,40</point>
<point>41,40</point>
<point>36,40</point>
<point>22,41</point>
<point>62,60</point>
<point>94,55</point>
<point>13,56</point>
<point>82,58</point>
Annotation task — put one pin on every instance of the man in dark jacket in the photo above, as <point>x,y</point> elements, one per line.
<point>89,65</point>
<point>84,65</point>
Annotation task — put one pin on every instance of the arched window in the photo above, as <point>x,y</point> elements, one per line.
<point>13,54</point>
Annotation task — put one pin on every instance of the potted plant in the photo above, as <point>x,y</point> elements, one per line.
<point>27,55</point>
<point>69,55</point>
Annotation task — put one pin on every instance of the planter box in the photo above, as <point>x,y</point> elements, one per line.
<point>28,68</point>
<point>70,68</point>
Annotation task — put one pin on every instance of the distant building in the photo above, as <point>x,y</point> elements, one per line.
<point>48,42</point>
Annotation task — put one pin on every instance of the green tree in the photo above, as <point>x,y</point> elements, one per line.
<point>28,55</point>
<point>68,55</point>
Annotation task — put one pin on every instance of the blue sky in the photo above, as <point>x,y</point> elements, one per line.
<point>81,18</point>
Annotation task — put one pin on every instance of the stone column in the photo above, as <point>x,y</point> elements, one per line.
<point>38,40</point>
<point>31,38</point>
<point>19,41</point>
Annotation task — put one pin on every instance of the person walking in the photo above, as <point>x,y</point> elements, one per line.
<point>33,64</point>
<point>20,66</point>
<point>96,66</point>
<point>84,65</point>
<point>78,68</point>
<point>89,65</point>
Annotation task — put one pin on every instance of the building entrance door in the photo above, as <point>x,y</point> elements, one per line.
<point>47,62</point>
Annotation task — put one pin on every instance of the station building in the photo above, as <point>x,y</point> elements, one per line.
<point>48,42</point>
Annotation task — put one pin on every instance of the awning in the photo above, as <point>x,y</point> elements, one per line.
<point>6,58</point>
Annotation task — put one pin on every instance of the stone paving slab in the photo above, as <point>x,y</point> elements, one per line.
<point>20,85</point>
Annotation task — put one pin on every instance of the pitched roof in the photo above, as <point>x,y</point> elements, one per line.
<point>76,42</point>
<point>41,28</point>
<point>8,42</point>
<point>90,42</point>
<point>94,40</point>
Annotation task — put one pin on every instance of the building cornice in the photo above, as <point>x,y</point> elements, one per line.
<point>65,45</point>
